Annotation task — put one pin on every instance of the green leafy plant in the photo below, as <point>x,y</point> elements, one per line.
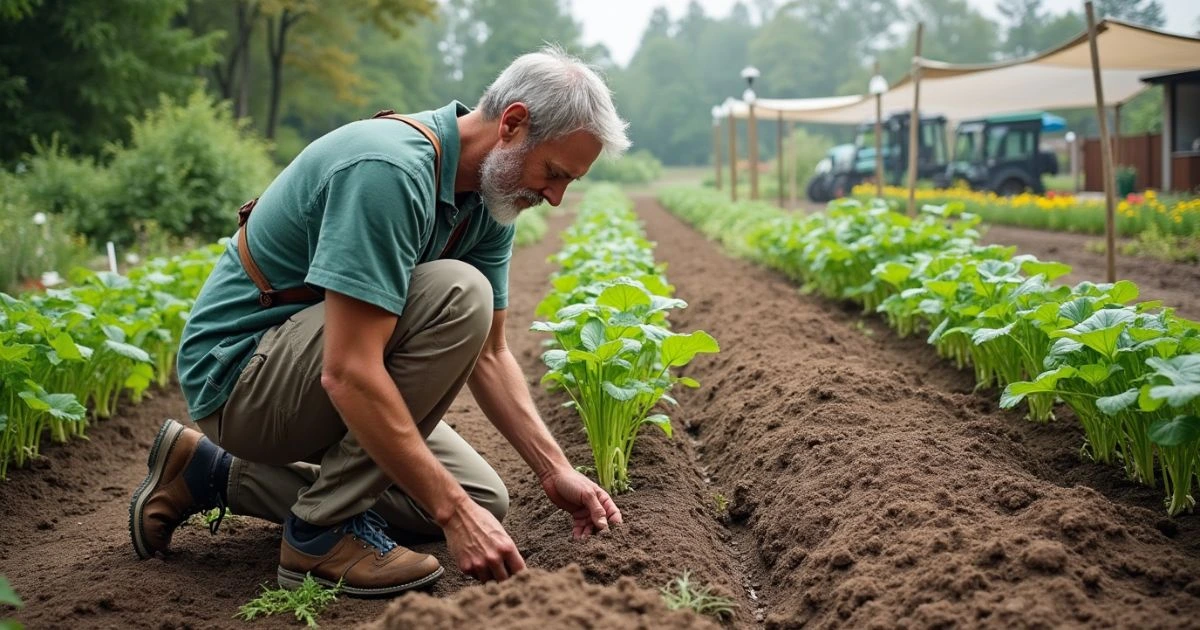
<point>681,593</point>
<point>8,597</point>
<point>614,351</point>
<point>65,351</point>
<point>307,602</point>
<point>1129,371</point>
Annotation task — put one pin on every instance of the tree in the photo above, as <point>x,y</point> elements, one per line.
<point>481,37</point>
<point>1023,20</point>
<point>1144,12</point>
<point>328,61</point>
<point>80,70</point>
<point>848,32</point>
<point>785,51</point>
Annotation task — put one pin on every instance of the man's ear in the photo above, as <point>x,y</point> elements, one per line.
<point>513,122</point>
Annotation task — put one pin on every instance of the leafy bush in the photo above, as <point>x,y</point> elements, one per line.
<point>33,243</point>
<point>188,166</point>
<point>76,188</point>
<point>637,167</point>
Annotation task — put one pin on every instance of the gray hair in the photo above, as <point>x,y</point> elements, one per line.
<point>563,95</point>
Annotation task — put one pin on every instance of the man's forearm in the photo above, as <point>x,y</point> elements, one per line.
<point>375,412</point>
<point>499,387</point>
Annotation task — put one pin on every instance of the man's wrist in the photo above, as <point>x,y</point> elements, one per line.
<point>554,469</point>
<point>453,507</point>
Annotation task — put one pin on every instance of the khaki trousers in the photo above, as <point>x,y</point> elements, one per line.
<point>292,451</point>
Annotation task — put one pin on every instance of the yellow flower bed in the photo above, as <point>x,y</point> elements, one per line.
<point>1178,216</point>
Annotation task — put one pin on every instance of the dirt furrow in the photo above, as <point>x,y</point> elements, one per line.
<point>879,491</point>
<point>67,552</point>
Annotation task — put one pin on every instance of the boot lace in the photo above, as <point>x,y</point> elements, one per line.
<point>369,528</point>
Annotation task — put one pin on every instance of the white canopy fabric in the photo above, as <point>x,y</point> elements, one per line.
<point>1060,78</point>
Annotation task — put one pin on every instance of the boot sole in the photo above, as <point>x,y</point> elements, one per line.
<point>164,443</point>
<point>292,580</point>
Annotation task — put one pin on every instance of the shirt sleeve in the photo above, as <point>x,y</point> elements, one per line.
<point>370,236</point>
<point>491,257</point>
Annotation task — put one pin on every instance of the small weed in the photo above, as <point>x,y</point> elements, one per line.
<point>306,602</point>
<point>207,518</point>
<point>681,593</point>
<point>721,503</point>
<point>861,327</point>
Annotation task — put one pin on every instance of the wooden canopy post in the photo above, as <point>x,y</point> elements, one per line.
<point>716,111</point>
<point>779,152</point>
<point>752,150</point>
<point>914,123</point>
<point>733,156</point>
<point>878,137</point>
<point>1106,157</point>
<point>1117,135</point>
<point>792,165</point>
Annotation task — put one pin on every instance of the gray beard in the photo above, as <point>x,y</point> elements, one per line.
<point>499,184</point>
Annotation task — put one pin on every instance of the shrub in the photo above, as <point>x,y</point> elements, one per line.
<point>33,242</point>
<point>74,187</point>
<point>188,166</point>
<point>638,167</point>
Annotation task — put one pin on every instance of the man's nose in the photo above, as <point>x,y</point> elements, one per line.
<point>554,194</point>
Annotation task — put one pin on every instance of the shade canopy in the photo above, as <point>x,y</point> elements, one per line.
<point>1060,78</point>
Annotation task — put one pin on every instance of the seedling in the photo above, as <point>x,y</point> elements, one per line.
<point>306,602</point>
<point>721,504</point>
<point>682,593</point>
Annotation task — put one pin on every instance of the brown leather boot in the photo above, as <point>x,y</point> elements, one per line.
<point>358,553</point>
<point>182,480</point>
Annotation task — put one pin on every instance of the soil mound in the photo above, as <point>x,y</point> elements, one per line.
<point>540,599</point>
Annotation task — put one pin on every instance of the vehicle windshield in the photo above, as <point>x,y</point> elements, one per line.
<point>968,145</point>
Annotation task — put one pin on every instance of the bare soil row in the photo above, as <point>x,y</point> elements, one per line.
<point>868,486</point>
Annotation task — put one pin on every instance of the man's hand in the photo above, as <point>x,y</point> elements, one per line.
<point>590,506</point>
<point>479,544</point>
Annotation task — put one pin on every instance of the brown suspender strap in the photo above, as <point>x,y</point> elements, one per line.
<point>268,296</point>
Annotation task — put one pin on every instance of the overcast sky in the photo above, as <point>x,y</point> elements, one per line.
<point>618,24</point>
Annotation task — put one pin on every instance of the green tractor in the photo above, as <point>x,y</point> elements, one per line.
<point>847,165</point>
<point>1002,153</point>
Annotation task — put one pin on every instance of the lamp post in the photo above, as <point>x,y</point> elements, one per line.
<point>716,116</point>
<point>750,73</point>
<point>876,87</point>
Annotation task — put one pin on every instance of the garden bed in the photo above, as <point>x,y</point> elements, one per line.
<point>867,486</point>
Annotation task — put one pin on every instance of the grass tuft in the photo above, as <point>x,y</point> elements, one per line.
<point>682,593</point>
<point>306,602</point>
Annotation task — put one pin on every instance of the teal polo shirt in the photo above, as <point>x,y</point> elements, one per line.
<point>354,213</point>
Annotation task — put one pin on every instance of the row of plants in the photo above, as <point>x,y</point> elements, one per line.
<point>1176,216</point>
<point>68,354</point>
<point>1129,371</point>
<point>613,351</point>
<point>65,351</point>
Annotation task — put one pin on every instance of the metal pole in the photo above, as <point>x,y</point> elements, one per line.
<point>878,140</point>
<point>717,150</point>
<point>752,148</point>
<point>914,122</point>
<point>733,156</point>
<point>1105,148</point>
<point>779,153</point>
